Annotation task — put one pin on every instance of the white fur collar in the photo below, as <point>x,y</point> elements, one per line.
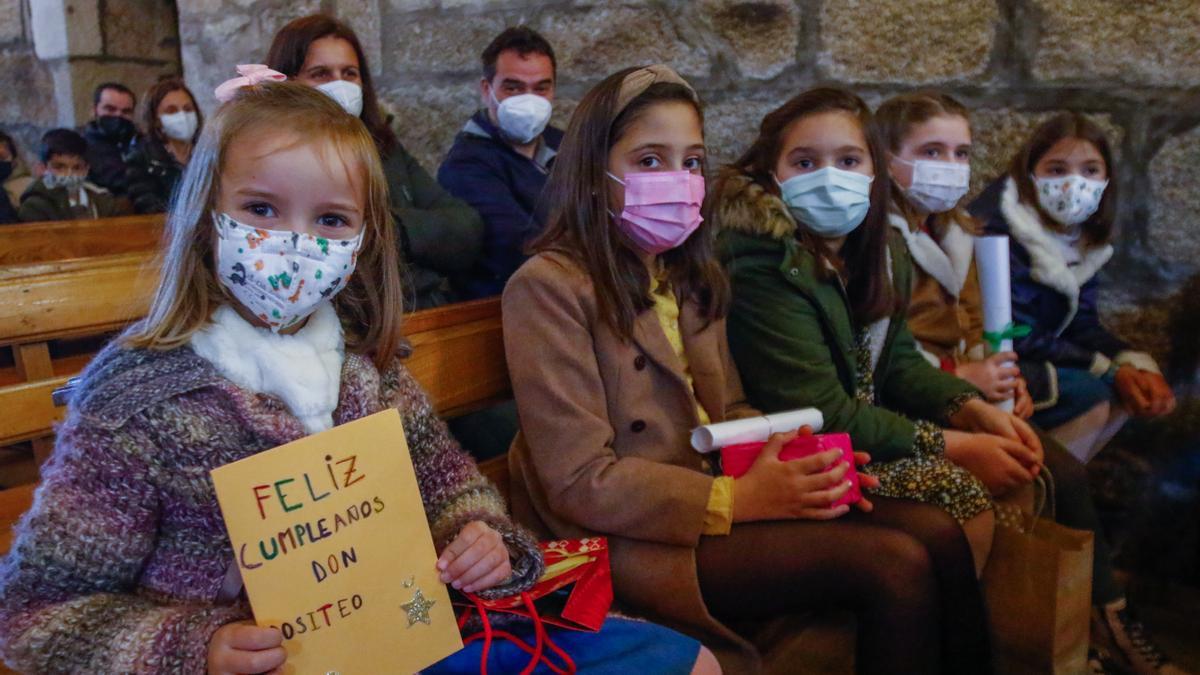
<point>1046,261</point>
<point>948,262</point>
<point>303,369</point>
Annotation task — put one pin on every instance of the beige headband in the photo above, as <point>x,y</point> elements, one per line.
<point>640,80</point>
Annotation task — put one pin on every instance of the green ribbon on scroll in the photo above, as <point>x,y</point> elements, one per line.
<point>1010,332</point>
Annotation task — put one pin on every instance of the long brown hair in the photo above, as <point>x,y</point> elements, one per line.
<point>1098,228</point>
<point>863,257</point>
<point>895,119</point>
<point>289,49</point>
<point>154,95</point>
<point>582,228</point>
<point>188,288</point>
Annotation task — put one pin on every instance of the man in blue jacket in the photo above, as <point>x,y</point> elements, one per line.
<point>500,160</point>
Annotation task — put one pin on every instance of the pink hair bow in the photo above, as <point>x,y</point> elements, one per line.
<point>251,74</point>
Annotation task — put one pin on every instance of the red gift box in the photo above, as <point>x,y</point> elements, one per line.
<point>737,459</point>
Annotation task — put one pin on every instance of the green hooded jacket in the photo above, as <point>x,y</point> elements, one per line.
<point>793,338</point>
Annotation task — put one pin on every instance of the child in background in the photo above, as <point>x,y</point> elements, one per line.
<point>64,193</point>
<point>615,337</point>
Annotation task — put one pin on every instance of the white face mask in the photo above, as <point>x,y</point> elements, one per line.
<point>71,182</point>
<point>523,118</point>
<point>937,186</point>
<point>347,94</point>
<point>179,126</point>
<point>281,276</point>
<point>1070,199</point>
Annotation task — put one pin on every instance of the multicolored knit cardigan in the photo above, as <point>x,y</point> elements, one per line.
<point>119,565</point>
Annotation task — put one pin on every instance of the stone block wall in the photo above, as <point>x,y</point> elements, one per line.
<point>54,52</point>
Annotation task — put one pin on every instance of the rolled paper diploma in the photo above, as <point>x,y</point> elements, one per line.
<point>991,260</point>
<point>754,429</point>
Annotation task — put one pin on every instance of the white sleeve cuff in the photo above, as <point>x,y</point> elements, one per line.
<point>1139,360</point>
<point>1100,364</point>
<point>929,356</point>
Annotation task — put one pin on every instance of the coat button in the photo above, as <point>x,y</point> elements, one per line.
<point>639,362</point>
<point>795,271</point>
<point>638,426</point>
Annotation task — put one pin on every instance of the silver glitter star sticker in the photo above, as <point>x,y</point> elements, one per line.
<point>418,609</point>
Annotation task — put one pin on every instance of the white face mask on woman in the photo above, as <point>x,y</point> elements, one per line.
<point>936,186</point>
<point>179,126</point>
<point>348,95</point>
<point>1070,200</point>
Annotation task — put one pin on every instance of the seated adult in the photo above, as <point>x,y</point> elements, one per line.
<point>8,151</point>
<point>439,235</point>
<point>172,122</point>
<point>14,174</point>
<point>64,192</point>
<point>500,160</point>
<point>110,136</point>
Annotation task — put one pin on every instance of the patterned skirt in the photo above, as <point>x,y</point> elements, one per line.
<point>932,479</point>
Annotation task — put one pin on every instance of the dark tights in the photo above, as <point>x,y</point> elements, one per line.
<point>905,570</point>
<point>1073,507</point>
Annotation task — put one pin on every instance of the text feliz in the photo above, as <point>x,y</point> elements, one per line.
<point>295,493</point>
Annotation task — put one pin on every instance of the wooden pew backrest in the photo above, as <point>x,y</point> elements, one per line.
<point>82,297</point>
<point>58,240</point>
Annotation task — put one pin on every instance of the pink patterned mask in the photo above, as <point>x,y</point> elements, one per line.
<point>662,208</point>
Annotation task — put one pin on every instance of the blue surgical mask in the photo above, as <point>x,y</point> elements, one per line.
<point>829,202</point>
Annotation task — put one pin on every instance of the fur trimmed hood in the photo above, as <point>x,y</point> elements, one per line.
<point>744,206</point>
<point>948,261</point>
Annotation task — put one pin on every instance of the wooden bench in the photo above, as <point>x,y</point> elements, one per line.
<point>66,239</point>
<point>42,303</point>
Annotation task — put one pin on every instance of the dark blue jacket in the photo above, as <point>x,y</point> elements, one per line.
<point>505,187</point>
<point>1058,302</point>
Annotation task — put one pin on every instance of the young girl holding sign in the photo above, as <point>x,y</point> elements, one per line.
<point>123,563</point>
<point>615,336</point>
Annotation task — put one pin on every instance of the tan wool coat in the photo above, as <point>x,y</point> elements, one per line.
<point>604,441</point>
<point>946,313</point>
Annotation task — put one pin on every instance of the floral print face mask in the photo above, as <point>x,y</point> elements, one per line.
<point>1070,199</point>
<point>281,276</point>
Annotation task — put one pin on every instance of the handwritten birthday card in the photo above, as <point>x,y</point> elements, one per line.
<point>334,548</point>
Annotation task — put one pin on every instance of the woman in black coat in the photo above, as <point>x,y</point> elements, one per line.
<point>172,122</point>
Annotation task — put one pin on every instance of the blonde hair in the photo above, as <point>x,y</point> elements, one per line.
<point>189,290</point>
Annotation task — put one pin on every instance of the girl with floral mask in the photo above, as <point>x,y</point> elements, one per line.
<point>615,336</point>
<point>1057,204</point>
<point>818,315</point>
<point>277,315</point>
<point>929,139</point>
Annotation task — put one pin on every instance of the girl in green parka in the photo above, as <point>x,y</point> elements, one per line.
<point>820,290</point>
